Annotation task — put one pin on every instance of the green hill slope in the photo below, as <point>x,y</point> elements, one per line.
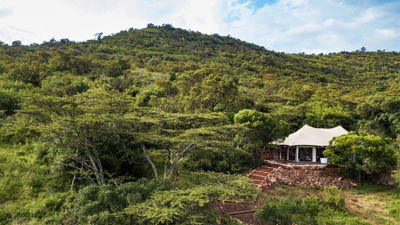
<point>164,102</point>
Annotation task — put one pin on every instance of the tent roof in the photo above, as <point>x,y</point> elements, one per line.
<point>311,136</point>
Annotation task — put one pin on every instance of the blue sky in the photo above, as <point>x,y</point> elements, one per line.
<point>310,26</point>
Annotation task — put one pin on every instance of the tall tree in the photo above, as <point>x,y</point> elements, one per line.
<point>260,130</point>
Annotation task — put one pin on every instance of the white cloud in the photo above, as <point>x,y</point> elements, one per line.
<point>386,33</point>
<point>315,26</point>
<point>369,15</point>
<point>286,25</point>
<point>80,20</point>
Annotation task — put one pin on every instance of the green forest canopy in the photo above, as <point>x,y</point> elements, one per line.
<point>167,88</point>
<point>86,110</point>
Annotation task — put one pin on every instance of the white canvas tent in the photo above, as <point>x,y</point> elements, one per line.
<point>311,137</point>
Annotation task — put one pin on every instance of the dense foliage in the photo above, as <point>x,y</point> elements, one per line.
<point>105,204</point>
<point>261,130</point>
<point>100,116</point>
<point>362,154</point>
<point>31,193</point>
<point>189,206</point>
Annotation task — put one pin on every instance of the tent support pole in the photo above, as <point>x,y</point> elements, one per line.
<point>287,153</point>
<point>297,154</point>
<point>314,154</point>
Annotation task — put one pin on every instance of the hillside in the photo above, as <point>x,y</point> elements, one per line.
<point>265,80</point>
<point>94,124</point>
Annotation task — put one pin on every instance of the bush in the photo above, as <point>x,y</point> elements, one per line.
<point>334,198</point>
<point>289,210</point>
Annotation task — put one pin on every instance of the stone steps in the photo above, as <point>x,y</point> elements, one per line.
<point>264,169</point>
<point>256,177</point>
<point>256,182</point>
<point>259,175</point>
<point>270,165</point>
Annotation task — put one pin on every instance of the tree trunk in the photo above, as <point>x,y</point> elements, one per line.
<point>166,164</point>
<point>150,161</point>
<point>172,168</point>
<point>72,183</point>
<point>99,166</point>
<point>98,173</point>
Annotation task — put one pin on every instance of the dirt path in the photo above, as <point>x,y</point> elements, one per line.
<point>371,209</point>
<point>241,211</point>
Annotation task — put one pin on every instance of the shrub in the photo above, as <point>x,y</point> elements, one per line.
<point>289,210</point>
<point>334,198</point>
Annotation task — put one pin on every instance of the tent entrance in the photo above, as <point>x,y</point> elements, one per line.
<point>305,154</point>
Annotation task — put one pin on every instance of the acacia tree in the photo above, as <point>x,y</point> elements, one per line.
<point>260,130</point>
<point>362,154</point>
<point>170,149</point>
<point>174,157</point>
<point>216,89</point>
<point>89,131</point>
<point>33,68</point>
<point>98,133</point>
<point>206,90</point>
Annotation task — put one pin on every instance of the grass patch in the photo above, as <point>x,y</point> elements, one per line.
<point>369,203</point>
<point>383,201</point>
<point>369,188</point>
<point>299,191</point>
<point>312,209</point>
<point>394,208</point>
